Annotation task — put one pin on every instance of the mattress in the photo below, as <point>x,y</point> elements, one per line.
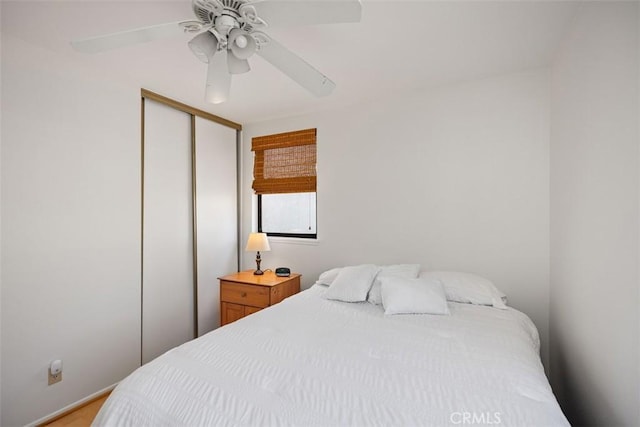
<point>308,361</point>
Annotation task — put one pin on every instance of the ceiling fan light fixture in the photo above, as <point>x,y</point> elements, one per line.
<point>237,66</point>
<point>204,46</point>
<point>242,44</point>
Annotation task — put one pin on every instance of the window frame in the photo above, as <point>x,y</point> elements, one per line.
<point>279,234</point>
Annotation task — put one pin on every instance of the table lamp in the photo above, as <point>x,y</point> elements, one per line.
<point>258,242</point>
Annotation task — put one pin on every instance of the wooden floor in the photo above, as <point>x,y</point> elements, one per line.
<point>81,417</point>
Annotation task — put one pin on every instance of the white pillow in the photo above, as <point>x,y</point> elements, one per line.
<point>328,276</point>
<point>407,271</point>
<point>352,283</point>
<point>467,288</point>
<point>413,296</point>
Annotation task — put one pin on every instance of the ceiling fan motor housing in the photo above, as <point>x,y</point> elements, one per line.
<point>226,22</point>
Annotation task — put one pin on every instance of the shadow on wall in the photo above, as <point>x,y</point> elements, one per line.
<point>574,398</point>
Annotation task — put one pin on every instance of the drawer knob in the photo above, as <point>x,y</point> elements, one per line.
<point>243,294</point>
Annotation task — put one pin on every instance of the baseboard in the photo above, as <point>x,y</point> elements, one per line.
<point>73,407</point>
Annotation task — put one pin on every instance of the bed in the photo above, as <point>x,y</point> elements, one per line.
<point>311,361</point>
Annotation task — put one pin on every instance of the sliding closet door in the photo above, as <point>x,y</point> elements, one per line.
<point>217,216</point>
<point>167,260</point>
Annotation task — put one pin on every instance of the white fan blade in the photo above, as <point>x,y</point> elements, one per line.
<point>126,38</point>
<point>308,12</point>
<point>296,68</point>
<point>218,79</point>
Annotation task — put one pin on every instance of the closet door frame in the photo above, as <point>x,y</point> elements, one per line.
<point>193,112</point>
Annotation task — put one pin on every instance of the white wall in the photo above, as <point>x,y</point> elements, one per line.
<point>454,178</point>
<point>0,230</point>
<point>594,218</point>
<point>70,230</point>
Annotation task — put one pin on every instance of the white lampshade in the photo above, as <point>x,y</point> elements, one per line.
<point>204,46</point>
<point>257,242</point>
<point>242,44</point>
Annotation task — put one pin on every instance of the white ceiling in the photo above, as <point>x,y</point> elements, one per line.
<point>398,47</point>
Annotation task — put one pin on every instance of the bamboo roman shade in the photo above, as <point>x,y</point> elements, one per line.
<point>285,162</point>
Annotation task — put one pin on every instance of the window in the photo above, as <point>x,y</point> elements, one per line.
<point>284,178</point>
<point>290,215</point>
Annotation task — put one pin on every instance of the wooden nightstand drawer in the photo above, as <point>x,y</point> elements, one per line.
<point>255,296</point>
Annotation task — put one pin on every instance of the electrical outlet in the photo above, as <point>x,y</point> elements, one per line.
<point>54,378</point>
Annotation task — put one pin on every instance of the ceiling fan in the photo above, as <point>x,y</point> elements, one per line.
<point>229,32</point>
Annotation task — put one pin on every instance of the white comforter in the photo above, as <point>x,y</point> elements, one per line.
<point>313,362</point>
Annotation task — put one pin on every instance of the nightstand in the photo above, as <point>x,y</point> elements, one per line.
<point>244,293</point>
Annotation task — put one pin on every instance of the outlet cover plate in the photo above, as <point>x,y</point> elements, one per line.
<point>54,378</point>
